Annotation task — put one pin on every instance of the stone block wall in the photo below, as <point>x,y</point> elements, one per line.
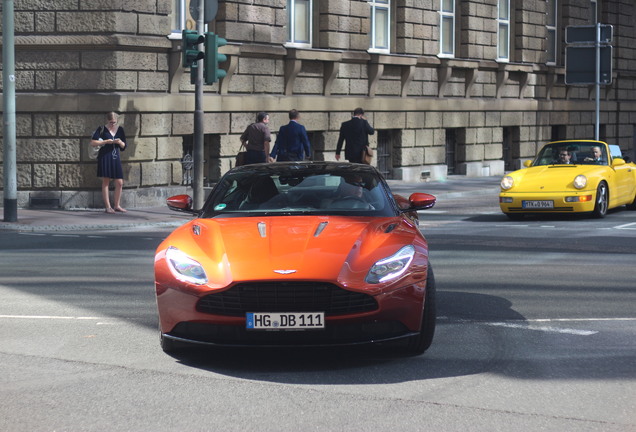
<point>76,60</point>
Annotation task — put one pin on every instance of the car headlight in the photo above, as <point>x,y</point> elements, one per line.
<point>185,268</point>
<point>507,182</point>
<point>392,266</point>
<point>580,181</point>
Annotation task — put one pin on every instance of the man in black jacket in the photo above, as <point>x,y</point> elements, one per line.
<point>356,134</point>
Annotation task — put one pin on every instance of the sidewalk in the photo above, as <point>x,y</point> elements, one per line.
<point>98,219</point>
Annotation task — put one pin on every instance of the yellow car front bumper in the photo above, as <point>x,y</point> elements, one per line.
<point>547,202</point>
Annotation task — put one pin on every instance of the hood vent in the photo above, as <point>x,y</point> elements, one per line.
<point>262,229</point>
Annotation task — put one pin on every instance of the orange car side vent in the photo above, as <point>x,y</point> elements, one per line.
<point>390,228</point>
<point>319,229</point>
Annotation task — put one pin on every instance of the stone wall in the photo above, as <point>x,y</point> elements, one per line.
<point>77,60</point>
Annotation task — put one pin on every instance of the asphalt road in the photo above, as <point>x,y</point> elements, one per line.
<point>536,331</point>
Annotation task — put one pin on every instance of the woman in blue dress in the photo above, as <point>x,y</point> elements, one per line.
<point>112,140</point>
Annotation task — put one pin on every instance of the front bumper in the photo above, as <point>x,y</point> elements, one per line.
<point>562,202</point>
<point>398,314</point>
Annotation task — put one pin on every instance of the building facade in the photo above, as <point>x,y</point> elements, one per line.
<point>451,86</point>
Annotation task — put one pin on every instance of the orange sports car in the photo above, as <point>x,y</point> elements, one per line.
<point>297,254</point>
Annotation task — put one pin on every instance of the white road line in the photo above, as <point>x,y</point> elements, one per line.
<point>527,324</point>
<point>542,329</point>
<point>631,225</point>
<point>49,317</point>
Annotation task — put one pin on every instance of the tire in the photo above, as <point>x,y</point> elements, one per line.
<point>602,201</point>
<point>418,344</point>
<point>169,346</point>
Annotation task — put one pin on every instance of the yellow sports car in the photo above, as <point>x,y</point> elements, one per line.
<point>575,176</point>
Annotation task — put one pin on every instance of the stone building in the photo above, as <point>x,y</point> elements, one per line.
<point>451,86</point>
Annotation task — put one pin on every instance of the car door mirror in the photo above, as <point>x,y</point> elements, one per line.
<point>181,203</point>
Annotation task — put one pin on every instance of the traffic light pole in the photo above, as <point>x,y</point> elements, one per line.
<point>8,96</point>
<point>198,195</point>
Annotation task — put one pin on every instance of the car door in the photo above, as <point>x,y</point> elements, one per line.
<point>625,176</point>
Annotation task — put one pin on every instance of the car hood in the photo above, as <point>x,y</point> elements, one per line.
<point>550,178</point>
<point>292,247</point>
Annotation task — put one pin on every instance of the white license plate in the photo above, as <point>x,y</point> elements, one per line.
<point>285,321</point>
<point>538,204</point>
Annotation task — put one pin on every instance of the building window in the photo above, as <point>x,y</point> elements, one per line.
<point>551,27</point>
<point>594,10</point>
<point>503,31</point>
<point>447,29</point>
<point>380,19</point>
<point>300,21</point>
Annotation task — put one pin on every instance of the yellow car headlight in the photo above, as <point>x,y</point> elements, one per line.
<point>507,182</point>
<point>580,181</point>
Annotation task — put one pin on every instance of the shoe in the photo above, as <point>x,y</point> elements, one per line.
<point>110,210</point>
<point>120,209</point>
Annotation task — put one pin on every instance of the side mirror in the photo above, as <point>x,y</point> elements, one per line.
<point>422,201</point>
<point>618,162</point>
<point>527,163</point>
<point>180,203</point>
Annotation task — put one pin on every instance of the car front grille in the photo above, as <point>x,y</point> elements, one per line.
<point>286,297</point>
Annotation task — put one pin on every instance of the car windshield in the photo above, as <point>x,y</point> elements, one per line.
<point>565,153</point>
<point>292,189</point>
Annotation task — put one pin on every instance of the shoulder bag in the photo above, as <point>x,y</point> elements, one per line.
<point>240,156</point>
<point>367,155</point>
<point>93,151</point>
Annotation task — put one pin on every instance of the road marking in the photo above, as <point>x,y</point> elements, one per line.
<point>526,324</point>
<point>628,226</point>
<point>49,317</point>
<point>542,329</point>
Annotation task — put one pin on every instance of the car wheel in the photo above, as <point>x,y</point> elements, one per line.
<point>421,342</point>
<point>168,345</point>
<point>602,199</point>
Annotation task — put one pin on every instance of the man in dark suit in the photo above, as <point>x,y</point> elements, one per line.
<point>596,156</point>
<point>292,142</point>
<point>356,134</point>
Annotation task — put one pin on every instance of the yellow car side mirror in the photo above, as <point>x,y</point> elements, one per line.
<point>618,162</point>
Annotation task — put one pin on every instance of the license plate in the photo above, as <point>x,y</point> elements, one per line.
<point>538,204</point>
<point>285,321</point>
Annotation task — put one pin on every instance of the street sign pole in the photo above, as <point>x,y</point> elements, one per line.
<point>597,86</point>
<point>197,180</point>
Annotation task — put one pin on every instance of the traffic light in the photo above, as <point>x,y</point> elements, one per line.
<point>211,72</point>
<point>190,53</point>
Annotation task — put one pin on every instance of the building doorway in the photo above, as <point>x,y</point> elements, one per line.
<point>388,141</point>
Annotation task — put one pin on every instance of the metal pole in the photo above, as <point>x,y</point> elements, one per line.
<point>598,81</point>
<point>197,181</point>
<point>8,98</point>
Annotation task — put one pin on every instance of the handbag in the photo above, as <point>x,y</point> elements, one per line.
<point>367,155</point>
<point>93,151</point>
<point>240,157</point>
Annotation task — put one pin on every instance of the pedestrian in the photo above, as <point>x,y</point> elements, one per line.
<point>356,134</point>
<point>292,142</point>
<point>256,139</point>
<point>112,139</point>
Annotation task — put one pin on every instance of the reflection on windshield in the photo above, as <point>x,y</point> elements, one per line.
<point>304,192</point>
<point>564,153</point>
